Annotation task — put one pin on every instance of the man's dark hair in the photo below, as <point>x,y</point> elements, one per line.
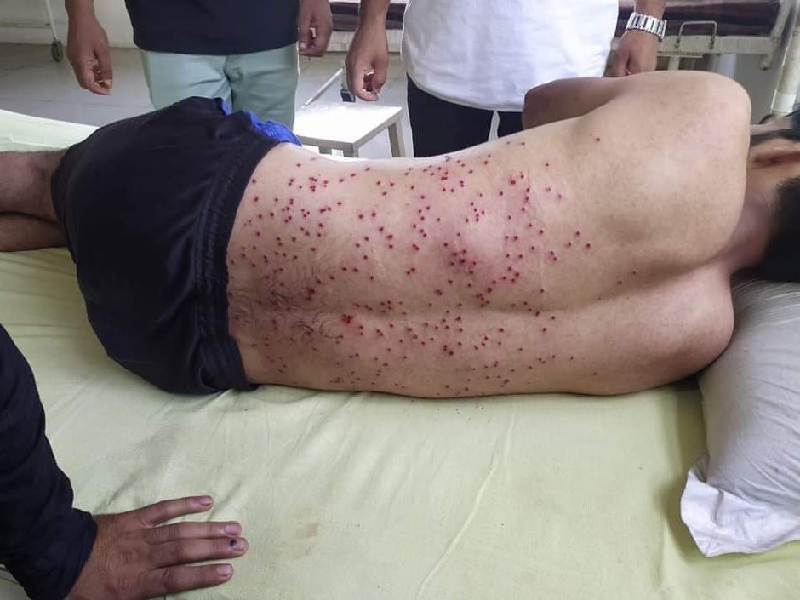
<point>781,261</point>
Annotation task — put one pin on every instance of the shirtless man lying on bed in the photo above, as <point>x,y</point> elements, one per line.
<point>591,253</point>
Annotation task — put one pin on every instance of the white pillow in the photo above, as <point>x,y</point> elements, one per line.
<point>744,495</point>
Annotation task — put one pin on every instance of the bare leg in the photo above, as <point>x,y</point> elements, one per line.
<point>22,232</point>
<point>25,183</point>
<point>27,218</point>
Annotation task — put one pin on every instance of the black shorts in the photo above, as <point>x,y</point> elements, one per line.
<point>147,206</point>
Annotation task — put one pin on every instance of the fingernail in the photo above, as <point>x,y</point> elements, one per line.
<point>237,545</point>
<point>224,570</point>
<point>303,46</point>
<point>232,529</point>
<point>205,501</point>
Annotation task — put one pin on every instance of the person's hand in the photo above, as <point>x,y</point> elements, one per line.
<point>136,557</point>
<point>367,61</point>
<point>314,14</point>
<point>636,53</point>
<point>87,49</point>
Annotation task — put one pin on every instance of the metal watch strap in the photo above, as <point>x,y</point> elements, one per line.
<point>640,22</point>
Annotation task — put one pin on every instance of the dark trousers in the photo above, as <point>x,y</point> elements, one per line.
<point>44,542</point>
<point>440,126</point>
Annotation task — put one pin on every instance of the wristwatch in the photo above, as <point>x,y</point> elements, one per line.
<point>640,22</point>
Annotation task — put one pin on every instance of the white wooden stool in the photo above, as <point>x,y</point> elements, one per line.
<point>348,126</point>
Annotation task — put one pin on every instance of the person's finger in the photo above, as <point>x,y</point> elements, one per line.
<point>186,531</point>
<point>182,552</point>
<point>357,79</point>
<point>304,37</point>
<point>104,70</point>
<point>365,91</point>
<point>379,74</point>
<point>619,66</point>
<point>83,65</point>
<point>166,510</point>
<point>324,31</point>
<point>171,580</point>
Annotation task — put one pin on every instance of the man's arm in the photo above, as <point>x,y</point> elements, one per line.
<point>638,50</point>
<point>43,541</point>
<point>647,95</point>
<point>569,98</point>
<point>368,57</point>
<point>56,551</point>
<point>87,48</point>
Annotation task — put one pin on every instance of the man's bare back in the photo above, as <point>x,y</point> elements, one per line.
<point>583,256</point>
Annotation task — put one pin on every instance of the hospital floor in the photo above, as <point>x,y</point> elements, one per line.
<point>31,83</point>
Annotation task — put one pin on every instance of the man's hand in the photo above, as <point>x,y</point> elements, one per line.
<point>368,61</point>
<point>87,49</point>
<point>316,14</point>
<point>636,53</point>
<point>135,557</point>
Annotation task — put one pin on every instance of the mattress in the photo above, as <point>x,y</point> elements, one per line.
<point>734,17</point>
<point>367,496</point>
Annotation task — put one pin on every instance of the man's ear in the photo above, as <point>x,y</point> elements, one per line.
<point>777,152</point>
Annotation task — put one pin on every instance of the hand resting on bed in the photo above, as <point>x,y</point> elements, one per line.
<point>137,557</point>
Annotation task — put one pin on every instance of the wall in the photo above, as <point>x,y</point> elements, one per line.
<point>111,13</point>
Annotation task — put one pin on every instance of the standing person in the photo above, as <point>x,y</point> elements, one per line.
<point>468,60</point>
<point>244,51</point>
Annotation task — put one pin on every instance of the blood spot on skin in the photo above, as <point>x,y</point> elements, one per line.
<point>588,246</point>
<point>347,319</point>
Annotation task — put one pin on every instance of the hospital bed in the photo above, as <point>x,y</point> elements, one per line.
<point>370,496</point>
<point>56,47</point>
<point>697,28</point>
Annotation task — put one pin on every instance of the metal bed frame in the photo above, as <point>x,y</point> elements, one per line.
<point>56,47</point>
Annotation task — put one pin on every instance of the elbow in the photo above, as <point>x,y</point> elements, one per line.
<point>536,101</point>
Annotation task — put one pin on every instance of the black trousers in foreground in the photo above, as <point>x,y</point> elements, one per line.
<point>44,542</point>
<point>439,126</point>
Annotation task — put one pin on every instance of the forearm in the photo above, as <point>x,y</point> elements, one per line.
<point>567,99</point>
<point>373,12</point>
<point>43,541</point>
<point>22,232</point>
<point>654,8</point>
<point>79,8</point>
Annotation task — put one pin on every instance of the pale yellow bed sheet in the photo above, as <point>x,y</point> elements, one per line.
<point>364,496</point>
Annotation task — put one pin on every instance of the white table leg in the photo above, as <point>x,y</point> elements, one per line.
<point>396,139</point>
